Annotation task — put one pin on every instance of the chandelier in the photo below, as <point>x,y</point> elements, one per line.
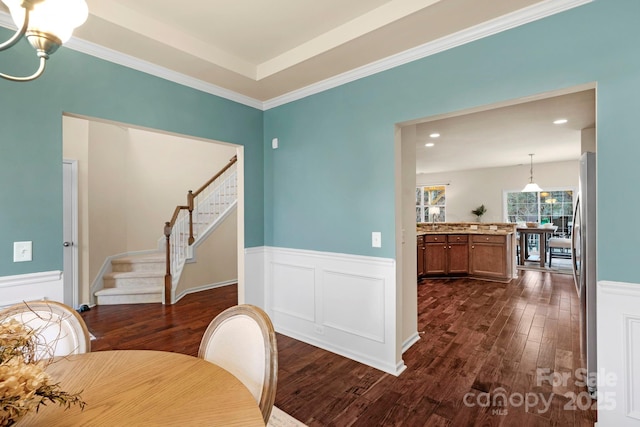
<point>46,24</point>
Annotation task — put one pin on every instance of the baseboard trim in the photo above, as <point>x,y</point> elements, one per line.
<point>410,341</point>
<point>204,288</point>
<point>348,353</point>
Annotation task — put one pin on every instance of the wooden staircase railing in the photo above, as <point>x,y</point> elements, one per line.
<point>168,226</point>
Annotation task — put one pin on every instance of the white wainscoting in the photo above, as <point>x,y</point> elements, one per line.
<point>342,303</point>
<point>618,323</point>
<point>254,279</point>
<point>30,287</point>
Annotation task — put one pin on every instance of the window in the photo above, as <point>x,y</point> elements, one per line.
<point>546,206</point>
<point>427,197</point>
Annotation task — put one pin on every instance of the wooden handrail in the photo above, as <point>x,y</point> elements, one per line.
<point>216,176</point>
<point>174,218</point>
<point>168,226</point>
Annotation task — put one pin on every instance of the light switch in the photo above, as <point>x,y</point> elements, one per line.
<point>274,143</point>
<point>21,251</point>
<point>376,239</point>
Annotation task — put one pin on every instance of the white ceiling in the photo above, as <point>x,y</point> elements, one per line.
<point>265,49</point>
<point>506,135</point>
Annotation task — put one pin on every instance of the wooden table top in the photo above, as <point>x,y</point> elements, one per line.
<point>147,388</point>
<point>537,230</point>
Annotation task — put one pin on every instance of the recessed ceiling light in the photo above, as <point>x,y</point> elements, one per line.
<point>560,121</point>
<point>435,135</point>
<point>429,144</point>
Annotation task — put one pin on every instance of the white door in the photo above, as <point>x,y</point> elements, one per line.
<point>70,231</point>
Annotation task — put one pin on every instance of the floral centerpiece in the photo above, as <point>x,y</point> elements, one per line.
<point>24,385</point>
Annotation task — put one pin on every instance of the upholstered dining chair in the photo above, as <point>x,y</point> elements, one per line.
<point>559,247</point>
<point>59,329</point>
<point>242,340</point>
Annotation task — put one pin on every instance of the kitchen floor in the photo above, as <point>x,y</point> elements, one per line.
<point>558,265</point>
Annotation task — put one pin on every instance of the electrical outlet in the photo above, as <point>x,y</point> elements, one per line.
<point>319,329</point>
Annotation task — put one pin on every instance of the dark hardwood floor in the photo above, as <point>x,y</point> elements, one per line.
<point>477,362</point>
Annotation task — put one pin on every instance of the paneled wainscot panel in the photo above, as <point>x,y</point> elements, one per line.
<point>618,338</point>
<point>293,290</point>
<point>342,303</point>
<point>632,335</point>
<point>354,304</point>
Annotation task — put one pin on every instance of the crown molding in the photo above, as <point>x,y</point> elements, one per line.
<point>158,71</point>
<point>129,61</point>
<point>497,25</point>
<point>486,29</point>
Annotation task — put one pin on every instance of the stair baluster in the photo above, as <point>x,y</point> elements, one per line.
<point>180,233</point>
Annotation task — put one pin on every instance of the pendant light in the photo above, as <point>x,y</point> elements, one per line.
<point>531,186</point>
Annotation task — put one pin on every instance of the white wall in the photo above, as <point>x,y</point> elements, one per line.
<point>469,189</point>
<point>160,170</point>
<point>406,243</point>
<point>106,189</point>
<point>130,181</point>
<point>216,260</point>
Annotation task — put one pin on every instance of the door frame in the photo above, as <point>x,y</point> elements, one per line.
<point>70,213</point>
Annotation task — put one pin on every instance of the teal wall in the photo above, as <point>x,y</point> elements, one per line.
<point>31,140</point>
<point>331,182</point>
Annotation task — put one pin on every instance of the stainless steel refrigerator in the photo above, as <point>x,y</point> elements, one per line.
<point>583,254</point>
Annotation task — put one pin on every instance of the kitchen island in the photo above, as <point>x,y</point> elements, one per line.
<point>477,250</point>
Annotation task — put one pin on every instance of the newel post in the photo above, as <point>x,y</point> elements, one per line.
<point>168,281</point>
<point>190,204</point>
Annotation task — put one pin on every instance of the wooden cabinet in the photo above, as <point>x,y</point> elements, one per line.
<point>458,254</point>
<point>446,254</point>
<point>421,255</point>
<point>490,256</point>
<point>478,255</point>
<point>435,254</point>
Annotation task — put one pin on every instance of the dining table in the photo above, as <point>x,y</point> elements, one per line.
<point>541,231</point>
<point>146,388</point>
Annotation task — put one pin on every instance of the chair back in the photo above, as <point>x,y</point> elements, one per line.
<point>59,329</point>
<point>242,340</point>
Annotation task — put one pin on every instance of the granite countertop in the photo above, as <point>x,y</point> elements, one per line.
<point>496,232</point>
<point>501,229</point>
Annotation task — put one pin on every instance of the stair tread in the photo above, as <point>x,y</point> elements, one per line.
<point>159,257</point>
<point>130,291</point>
<point>134,274</point>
